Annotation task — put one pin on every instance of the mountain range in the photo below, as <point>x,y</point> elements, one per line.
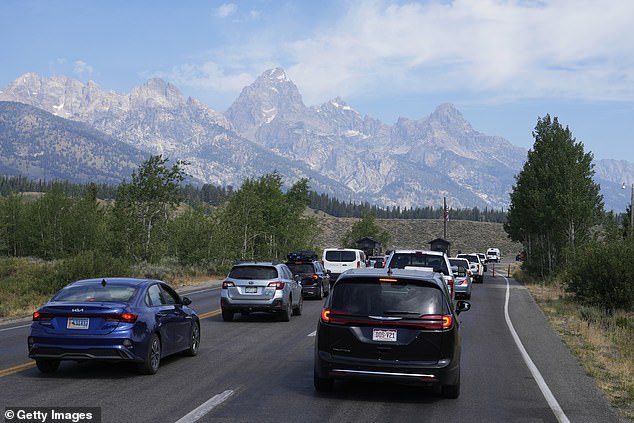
<point>60,128</point>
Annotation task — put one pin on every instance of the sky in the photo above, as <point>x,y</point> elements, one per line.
<point>502,63</point>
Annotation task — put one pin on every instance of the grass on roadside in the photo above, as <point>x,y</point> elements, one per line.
<point>602,343</point>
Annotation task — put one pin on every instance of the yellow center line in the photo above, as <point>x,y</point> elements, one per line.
<point>209,314</point>
<point>11,370</point>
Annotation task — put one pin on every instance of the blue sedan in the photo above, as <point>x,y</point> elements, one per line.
<point>113,319</point>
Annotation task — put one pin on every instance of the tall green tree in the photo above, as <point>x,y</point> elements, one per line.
<point>13,225</point>
<point>260,221</point>
<point>554,201</point>
<point>143,206</point>
<point>366,226</point>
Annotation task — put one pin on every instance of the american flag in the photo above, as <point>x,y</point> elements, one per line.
<point>446,213</point>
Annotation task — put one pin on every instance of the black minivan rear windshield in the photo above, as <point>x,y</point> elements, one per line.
<point>369,297</point>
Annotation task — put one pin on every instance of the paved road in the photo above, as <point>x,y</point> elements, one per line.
<point>259,369</point>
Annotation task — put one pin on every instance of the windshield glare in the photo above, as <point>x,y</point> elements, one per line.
<point>96,293</point>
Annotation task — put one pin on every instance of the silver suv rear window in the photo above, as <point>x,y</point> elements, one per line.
<point>253,272</point>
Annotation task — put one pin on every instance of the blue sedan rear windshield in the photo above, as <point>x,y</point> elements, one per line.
<point>96,293</point>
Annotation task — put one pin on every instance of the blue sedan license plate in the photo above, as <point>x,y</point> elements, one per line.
<point>77,323</point>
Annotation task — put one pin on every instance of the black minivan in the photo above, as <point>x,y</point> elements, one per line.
<point>390,325</point>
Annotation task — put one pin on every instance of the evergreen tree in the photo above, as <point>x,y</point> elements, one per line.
<point>554,201</point>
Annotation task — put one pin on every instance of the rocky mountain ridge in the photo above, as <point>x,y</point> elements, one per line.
<point>353,157</point>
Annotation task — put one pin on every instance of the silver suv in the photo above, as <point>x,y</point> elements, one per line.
<point>261,286</point>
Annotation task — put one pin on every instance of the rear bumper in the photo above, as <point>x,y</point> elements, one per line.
<point>311,290</point>
<point>122,345</point>
<point>442,372</point>
<point>274,305</point>
<point>79,349</point>
<point>105,353</point>
<point>462,289</point>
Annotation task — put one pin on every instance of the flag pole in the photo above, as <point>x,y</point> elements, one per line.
<point>445,217</point>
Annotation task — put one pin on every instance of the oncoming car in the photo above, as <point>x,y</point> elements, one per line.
<point>393,326</point>
<point>113,319</point>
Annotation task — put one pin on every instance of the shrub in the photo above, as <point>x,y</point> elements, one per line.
<point>602,275</point>
<point>89,264</point>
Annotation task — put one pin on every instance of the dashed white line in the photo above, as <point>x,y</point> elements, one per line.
<point>550,398</point>
<point>206,407</point>
<point>313,333</point>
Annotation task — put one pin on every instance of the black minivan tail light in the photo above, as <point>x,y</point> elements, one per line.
<point>444,321</point>
<point>441,322</point>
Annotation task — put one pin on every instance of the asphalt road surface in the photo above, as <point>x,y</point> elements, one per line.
<point>257,369</point>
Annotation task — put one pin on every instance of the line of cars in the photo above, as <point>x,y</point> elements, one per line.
<point>398,323</point>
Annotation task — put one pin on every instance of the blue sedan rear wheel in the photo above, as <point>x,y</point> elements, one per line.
<point>153,357</point>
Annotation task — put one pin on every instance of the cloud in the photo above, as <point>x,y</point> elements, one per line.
<point>512,49</point>
<point>82,68</point>
<point>225,10</point>
<point>490,50</point>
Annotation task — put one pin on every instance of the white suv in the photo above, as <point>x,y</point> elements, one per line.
<point>476,266</point>
<point>426,260</point>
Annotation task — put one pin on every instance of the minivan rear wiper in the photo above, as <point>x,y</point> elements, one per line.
<point>391,312</point>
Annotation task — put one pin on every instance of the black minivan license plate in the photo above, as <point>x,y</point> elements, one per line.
<point>384,335</point>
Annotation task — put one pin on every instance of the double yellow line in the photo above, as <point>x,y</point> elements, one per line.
<point>11,370</point>
<point>210,314</point>
<point>20,367</point>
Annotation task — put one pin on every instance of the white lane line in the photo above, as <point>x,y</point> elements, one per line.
<point>313,333</point>
<point>15,327</point>
<point>550,398</point>
<point>206,407</point>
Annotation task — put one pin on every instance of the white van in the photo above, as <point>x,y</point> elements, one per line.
<point>493,255</point>
<point>338,260</point>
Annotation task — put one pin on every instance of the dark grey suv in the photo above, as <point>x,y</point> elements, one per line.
<point>394,326</point>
